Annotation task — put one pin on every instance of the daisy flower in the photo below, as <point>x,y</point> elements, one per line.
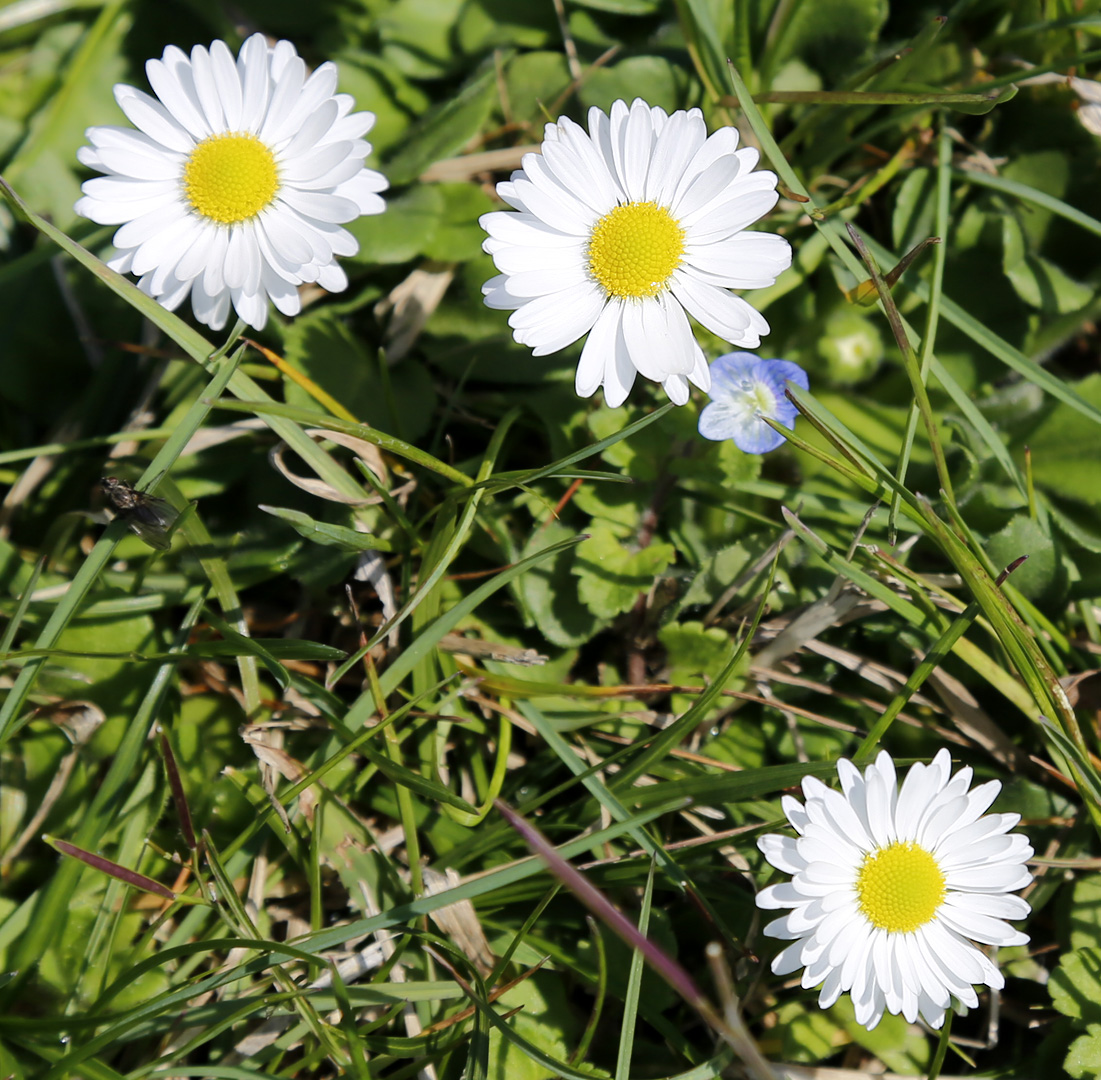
<point>744,389</point>
<point>890,888</point>
<point>235,183</point>
<point>623,232</point>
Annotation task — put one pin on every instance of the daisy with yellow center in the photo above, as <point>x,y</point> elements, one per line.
<point>623,232</point>
<point>891,887</point>
<point>234,186</point>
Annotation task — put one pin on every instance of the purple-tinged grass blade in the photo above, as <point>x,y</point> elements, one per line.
<point>112,869</point>
<point>729,1026</point>
<point>183,811</point>
<point>603,909</point>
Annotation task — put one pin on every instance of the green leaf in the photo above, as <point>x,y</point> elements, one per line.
<point>611,576</point>
<point>419,785</point>
<point>1083,532</point>
<point>545,1020</point>
<point>446,129</point>
<point>1042,576</point>
<point>458,236</point>
<point>321,532</point>
<point>665,83</point>
<point>1084,1058</point>
<point>902,1047</point>
<point>1075,985</point>
<point>402,232</point>
<point>323,346</point>
<point>622,7</point>
<point>548,592</point>
<point>380,88</point>
<point>116,686</point>
<point>715,576</point>
<point>696,655</point>
<point>830,35</point>
<point>1066,447</point>
<point>915,209</point>
<point>980,108</point>
<point>489,24</point>
<point>1038,179</point>
<point>275,648</point>
<point>534,81</point>
<point>416,36</point>
<point>807,1036</point>
<point>45,164</point>
<point>1085,913</point>
<point>1038,281</point>
<point>1037,192</point>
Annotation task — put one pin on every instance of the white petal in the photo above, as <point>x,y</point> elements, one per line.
<point>208,244</point>
<point>996,905</point>
<point>253,71</point>
<point>284,235</point>
<point>314,92</point>
<point>173,82</point>
<point>548,202</point>
<point>289,81</point>
<point>679,140</point>
<point>714,181</point>
<point>362,188</point>
<point>720,218</point>
<point>633,139</point>
<point>323,207</point>
<point>206,88</point>
<point>228,84</point>
<point>599,346</point>
<point>781,852</point>
<point>577,166</point>
<point>149,226</point>
<point>151,117</point>
<point>524,230</point>
<point>546,282</point>
<point>750,260</point>
<point>115,211</point>
<point>242,264</point>
<point>550,323</point>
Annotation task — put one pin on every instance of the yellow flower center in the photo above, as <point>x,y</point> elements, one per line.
<point>230,178</point>
<point>900,887</point>
<point>634,248</point>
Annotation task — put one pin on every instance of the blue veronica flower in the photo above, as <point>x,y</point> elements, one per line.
<point>745,388</point>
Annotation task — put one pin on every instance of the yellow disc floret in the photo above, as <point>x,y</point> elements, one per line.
<point>230,178</point>
<point>634,248</point>
<point>900,887</point>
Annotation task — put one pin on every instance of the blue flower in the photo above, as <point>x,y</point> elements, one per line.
<point>745,388</point>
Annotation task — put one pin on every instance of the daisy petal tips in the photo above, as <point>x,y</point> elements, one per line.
<point>744,389</point>
<point>891,887</point>
<point>621,233</point>
<point>234,185</point>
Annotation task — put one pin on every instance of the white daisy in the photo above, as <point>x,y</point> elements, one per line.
<point>235,184</point>
<point>890,888</point>
<point>624,230</point>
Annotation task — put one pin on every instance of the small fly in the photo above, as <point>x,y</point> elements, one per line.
<point>149,516</point>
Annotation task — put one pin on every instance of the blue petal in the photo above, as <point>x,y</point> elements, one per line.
<point>774,374</point>
<point>757,438</point>
<point>744,388</point>
<point>721,420</point>
<point>729,372</point>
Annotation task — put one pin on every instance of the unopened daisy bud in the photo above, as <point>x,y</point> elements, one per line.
<point>744,390</point>
<point>624,231</point>
<point>235,184</point>
<point>891,887</point>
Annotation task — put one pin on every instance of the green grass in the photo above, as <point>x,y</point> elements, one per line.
<point>306,758</point>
